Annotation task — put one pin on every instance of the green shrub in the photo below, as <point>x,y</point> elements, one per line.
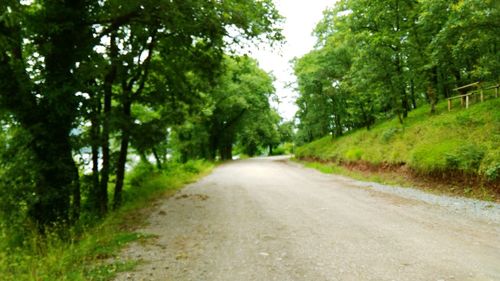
<point>493,172</point>
<point>490,166</point>
<point>466,158</point>
<point>354,154</point>
<point>280,150</point>
<point>192,166</point>
<point>427,157</point>
<point>388,134</point>
<point>84,254</point>
<point>139,173</point>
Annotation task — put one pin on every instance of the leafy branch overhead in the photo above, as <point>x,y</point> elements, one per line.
<point>82,75</point>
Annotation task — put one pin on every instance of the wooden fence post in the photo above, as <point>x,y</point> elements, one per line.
<point>449,104</point>
<point>466,101</point>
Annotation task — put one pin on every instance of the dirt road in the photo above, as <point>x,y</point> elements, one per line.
<point>262,219</point>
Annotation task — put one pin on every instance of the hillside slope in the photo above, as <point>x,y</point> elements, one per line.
<point>462,143</point>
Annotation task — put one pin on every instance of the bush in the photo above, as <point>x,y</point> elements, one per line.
<point>280,150</point>
<point>490,166</point>
<point>389,134</point>
<point>26,255</point>
<point>139,173</point>
<point>428,157</point>
<point>192,166</point>
<point>354,154</point>
<point>467,158</point>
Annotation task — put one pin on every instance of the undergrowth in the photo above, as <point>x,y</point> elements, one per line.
<point>463,141</point>
<point>396,178</point>
<point>89,251</point>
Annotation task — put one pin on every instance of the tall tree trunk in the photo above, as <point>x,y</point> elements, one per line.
<point>226,151</point>
<point>431,95</point>
<point>95,136</point>
<point>103,187</point>
<point>338,125</point>
<point>49,119</point>
<point>122,156</point>
<point>366,119</point>
<point>108,95</point>
<point>57,189</point>
<point>157,158</point>
<point>213,144</point>
<point>76,200</point>
<point>412,94</point>
<point>57,178</point>
<point>404,103</point>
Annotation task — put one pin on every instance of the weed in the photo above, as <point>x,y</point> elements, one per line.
<point>89,253</point>
<point>461,140</point>
<point>387,135</point>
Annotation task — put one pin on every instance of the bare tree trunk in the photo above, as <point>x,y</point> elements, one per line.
<point>57,181</point>
<point>157,158</point>
<point>122,157</point>
<point>106,161</point>
<point>431,94</point>
<point>76,200</point>
<point>412,94</point>
<point>94,197</point>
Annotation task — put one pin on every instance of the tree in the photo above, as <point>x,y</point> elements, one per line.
<point>376,60</point>
<point>73,72</point>
<point>40,49</point>
<point>235,110</point>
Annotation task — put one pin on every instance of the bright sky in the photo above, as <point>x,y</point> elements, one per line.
<point>301,17</point>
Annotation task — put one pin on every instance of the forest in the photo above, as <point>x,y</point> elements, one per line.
<point>375,60</point>
<point>375,63</point>
<point>90,88</point>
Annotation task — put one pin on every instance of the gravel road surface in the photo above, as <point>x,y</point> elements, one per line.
<point>266,219</point>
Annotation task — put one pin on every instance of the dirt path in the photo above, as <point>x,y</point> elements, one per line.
<point>261,219</point>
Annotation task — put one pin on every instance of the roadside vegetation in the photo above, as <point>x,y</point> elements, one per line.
<point>105,105</point>
<point>373,92</point>
<point>461,147</point>
<point>89,249</point>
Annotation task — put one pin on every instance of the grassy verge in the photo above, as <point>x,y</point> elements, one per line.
<point>89,254</point>
<point>462,146</point>
<point>404,179</point>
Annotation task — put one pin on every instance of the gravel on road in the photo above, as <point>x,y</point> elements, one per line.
<point>267,219</point>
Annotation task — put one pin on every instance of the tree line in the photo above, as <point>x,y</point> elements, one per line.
<point>378,59</point>
<point>92,80</point>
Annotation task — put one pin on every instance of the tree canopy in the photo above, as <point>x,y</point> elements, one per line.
<point>97,78</point>
<point>374,60</point>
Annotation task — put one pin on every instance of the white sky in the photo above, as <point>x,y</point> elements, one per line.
<point>301,17</point>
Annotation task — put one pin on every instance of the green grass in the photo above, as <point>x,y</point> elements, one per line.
<point>462,140</point>
<point>332,168</point>
<point>90,254</point>
<point>394,178</point>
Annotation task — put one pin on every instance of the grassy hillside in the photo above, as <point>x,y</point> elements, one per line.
<point>463,142</point>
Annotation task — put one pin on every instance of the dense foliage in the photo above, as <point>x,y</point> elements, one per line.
<point>235,111</point>
<point>84,82</point>
<point>87,256</point>
<point>377,59</point>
